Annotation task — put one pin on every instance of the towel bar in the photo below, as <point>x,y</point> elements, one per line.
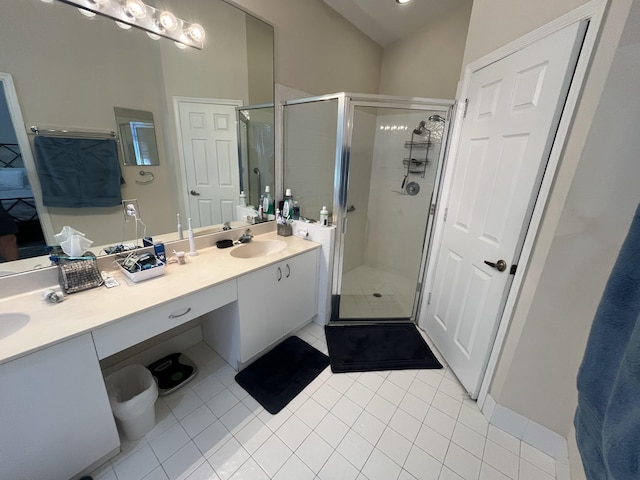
<point>52,132</point>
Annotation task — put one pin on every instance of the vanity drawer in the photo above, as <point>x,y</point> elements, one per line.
<point>132,330</point>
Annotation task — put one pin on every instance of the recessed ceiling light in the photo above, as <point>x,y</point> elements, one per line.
<point>402,2</point>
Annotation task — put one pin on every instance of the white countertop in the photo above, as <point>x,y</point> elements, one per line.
<point>88,310</point>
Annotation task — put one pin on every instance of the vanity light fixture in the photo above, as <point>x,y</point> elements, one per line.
<point>167,21</point>
<point>86,13</point>
<point>135,9</point>
<point>136,13</point>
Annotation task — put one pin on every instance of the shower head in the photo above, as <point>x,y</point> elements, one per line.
<point>420,129</point>
<point>436,118</point>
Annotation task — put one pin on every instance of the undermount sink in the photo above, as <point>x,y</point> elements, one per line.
<point>258,248</point>
<point>11,323</point>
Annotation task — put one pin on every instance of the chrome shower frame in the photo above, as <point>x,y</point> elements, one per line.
<point>347,102</point>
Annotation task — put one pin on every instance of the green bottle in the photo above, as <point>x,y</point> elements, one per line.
<point>268,204</point>
<point>287,208</point>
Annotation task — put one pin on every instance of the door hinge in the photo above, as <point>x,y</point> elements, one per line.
<point>444,218</point>
<point>466,106</point>
<point>513,269</point>
<point>419,287</point>
<point>432,209</point>
<point>429,299</point>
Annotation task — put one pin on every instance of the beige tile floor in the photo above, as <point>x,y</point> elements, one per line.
<point>404,425</point>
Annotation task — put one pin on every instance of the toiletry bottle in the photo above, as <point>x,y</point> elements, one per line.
<point>261,212</point>
<point>287,209</point>
<point>179,228</point>
<point>296,211</point>
<point>269,205</point>
<point>243,199</point>
<point>324,216</point>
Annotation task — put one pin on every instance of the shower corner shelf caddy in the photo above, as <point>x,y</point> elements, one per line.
<point>415,165</point>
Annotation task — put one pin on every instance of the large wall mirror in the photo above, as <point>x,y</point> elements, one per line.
<point>70,72</point>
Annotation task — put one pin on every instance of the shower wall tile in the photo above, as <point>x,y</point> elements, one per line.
<point>395,216</point>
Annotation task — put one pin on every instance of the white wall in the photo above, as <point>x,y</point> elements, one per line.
<point>427,63</point>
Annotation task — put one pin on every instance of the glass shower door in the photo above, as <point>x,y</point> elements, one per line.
<point>310,154</point>
<point>393,168</point>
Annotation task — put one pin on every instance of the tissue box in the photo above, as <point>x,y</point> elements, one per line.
<point>152,272</point>
<point>285,230</point>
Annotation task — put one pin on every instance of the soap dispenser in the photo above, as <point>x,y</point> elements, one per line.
<point>324,216</point>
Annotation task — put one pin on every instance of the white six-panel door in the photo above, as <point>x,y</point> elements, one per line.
<point>210,156</point>
<point>514,106</point>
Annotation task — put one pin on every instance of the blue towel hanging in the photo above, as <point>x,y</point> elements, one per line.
<point>607,420</point>
<point>78,172</point>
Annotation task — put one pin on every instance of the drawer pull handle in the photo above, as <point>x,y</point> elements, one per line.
<point>288,271</point>
<point>279,274</point>
<point>173,315</point>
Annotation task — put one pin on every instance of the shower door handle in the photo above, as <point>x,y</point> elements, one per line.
<point>500,265</point>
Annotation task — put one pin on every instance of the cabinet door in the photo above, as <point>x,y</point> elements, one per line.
<point>300,290</point>
<point>55,414</point>
<point>259,300</point>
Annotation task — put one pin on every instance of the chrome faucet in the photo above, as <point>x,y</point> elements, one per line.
<point>226,226</point>
<point>246,237</point>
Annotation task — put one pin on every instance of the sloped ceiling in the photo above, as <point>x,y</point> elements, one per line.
<point>386,22</point>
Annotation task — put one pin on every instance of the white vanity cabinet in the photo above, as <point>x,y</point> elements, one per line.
<point>55,416</point>
<point>274,301</point>
<point>130,331</point>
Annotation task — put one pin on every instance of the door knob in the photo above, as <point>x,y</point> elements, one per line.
<point>194,193</point>
<point>500,265</point>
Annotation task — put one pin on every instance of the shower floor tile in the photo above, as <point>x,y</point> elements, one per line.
<point>368,292</point>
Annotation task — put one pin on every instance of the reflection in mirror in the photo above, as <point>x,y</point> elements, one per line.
<point>256,132</point>
<point>21,235</point>
<point>137,137</point>
<point>64,83</point>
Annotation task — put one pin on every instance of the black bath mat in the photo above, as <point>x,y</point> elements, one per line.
<point>366,348</point>
<point>279,375</point>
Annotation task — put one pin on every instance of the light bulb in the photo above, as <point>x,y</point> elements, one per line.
<point>153,36</point>
<point>99,2</point>
<point>168,21</point>
<point>47,1</point>
<point>195,32</point>
<point>124,26</point>
<point>86,13</point>
<point>181,46</point>
<point>135,8</point>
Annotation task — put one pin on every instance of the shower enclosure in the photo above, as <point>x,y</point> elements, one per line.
<point>375,162</point>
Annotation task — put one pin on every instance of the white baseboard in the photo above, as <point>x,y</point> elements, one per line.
<point>536,435</point>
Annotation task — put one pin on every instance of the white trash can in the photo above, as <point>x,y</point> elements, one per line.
<point>132,394</point>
